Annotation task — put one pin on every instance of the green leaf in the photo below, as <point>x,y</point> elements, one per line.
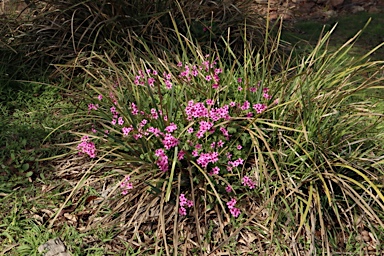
<point>25,167</point>
<point>29,174</point>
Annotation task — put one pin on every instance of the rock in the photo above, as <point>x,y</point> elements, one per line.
<point>357,8</point>
<point>330,14</point>
<point>287,15</point>
<point>273,15</point>
<point>53,247</point>
<point>336,3</point>
<point>373,9</point>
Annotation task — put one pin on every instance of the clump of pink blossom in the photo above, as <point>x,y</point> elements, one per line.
<point>184,202</point>
<point>87,147</point>
<point>125,185</point>
<point>232,209</point>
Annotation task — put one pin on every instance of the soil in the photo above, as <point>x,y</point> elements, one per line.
<point>315,9</point>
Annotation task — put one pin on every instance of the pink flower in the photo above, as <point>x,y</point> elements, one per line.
<point>195,110</point>
<point>215,171</point>
<point>231,203</point>
<point>259,108</point>
<point>87,147</point>
<point>190,130</point>
<point>126,130</point>
<point>113,122</point>
<point>246,105</point>
<point>182,211</point>
<point>183,201</point>
<point>143,122</point>
<point>134,109</point>
<point>220,144</point>
<point>206,158</point>
<point>162,160</point>
<point>100,97</point>
<point>233,210</point>
<point>120,121</point>
<point>154,114</point>
<point>239,147</point>
<point>180,155</point>
<point>169,141</point>
<point>239,80</point>
<point>239,88</point>
<point>125,185</point>
<point>228,188</point>
<point>218,71</point>
<point>267,96</point>
<point>151,81</point>
<point>252,89</point>
<point>155,131</point>
<point>209,102</point>
<point>93,106</point>
<point>195,153</point>
<point>246,181</point>
<point>171,128</point>
<point>168,84</point>
<point>159,152</point>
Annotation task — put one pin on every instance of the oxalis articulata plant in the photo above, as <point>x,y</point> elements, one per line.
<point>189,113</point>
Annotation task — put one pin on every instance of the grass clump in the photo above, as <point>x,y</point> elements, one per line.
<point>196,146</point>
<point>87,26</point>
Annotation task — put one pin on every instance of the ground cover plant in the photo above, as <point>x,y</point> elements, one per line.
<point>193,154</point>
<point>191,146</point>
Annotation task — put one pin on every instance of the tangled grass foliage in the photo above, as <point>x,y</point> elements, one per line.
<point>208,142</point>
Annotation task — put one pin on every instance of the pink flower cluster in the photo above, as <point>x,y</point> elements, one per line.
<point>92,106</point>
<point>87,147</point>
<point>169,141</point>
<point>184,202</point>
<point>215,171</point>
<point>231,206</point>
<point>260,108</point>
<point>206,158</point>
<point>195,110</point>
<point>125,185</point>
<point>246,181</point>
<point>162,160</point>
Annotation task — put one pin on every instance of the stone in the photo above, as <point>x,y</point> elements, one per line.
<point>373,9</point>
<point>287,15</point>
<point>273,15</point>
<point>336,3</point>
<point>330,14</point>
<point>53,247</point>
<point>357,8</point>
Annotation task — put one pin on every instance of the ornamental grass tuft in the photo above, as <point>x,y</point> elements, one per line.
<point>194,143</point>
